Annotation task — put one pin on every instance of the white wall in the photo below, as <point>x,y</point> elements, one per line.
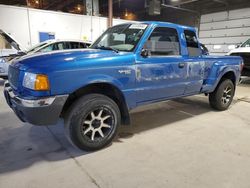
<point>224,29</point>
<point>24,24</point>
<point>20,27</point>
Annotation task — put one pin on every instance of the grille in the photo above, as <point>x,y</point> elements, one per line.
<point>13,76</point>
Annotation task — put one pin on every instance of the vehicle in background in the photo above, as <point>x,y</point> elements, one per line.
<point>55,44</point>
<point>9,49</point>
<point>243,51</point>
<point>130,65</point>
<point>46,46</point>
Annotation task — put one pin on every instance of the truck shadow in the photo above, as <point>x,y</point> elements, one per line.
<point>164,114</point>
<point>22,145</point>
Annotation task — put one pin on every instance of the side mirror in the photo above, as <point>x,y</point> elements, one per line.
<point>145,53</point>
<point>237,45</point>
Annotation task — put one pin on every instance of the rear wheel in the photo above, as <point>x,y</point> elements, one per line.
<point>92,122</point>
<point>223,95</point>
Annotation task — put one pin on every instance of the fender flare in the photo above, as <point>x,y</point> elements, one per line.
<point>94,81</point>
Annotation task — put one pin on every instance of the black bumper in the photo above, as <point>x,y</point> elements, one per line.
<point>44,111</point>
<point>246,58</point>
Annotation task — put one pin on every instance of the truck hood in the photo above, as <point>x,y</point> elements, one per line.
<point>65,58</point>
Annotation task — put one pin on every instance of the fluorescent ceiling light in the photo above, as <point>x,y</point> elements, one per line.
<point>217,47</point>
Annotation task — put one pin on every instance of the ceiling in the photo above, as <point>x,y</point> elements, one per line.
<point>72,6</point>
<point>138,6</point>
<point>188,12</point>
<point>170,9</point>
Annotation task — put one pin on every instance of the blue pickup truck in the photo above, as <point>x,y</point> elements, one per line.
<point>129,65</point>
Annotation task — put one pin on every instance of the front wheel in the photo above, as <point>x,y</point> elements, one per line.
<point>92,122</point>
<point>223,95</point>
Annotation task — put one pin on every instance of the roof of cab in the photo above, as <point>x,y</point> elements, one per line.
<point>166,24</point>
<point>169,24</point>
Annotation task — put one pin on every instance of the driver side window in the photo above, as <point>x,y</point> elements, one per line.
<point>192,43</point>
<point>163,41</point>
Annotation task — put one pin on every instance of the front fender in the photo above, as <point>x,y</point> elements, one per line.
<point>120,83</point>
<point>101,78</point>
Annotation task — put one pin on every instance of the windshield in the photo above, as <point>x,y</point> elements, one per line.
<point>120,38</point>
<point>36,47</point>
<point>246,44</point>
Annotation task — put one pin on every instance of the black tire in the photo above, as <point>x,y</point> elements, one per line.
<point>86,117</point>
<point>223,95</point>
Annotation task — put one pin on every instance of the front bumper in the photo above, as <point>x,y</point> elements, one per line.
<point>44,111</point>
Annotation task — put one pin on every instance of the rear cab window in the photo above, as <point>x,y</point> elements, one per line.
<point>192,43</point>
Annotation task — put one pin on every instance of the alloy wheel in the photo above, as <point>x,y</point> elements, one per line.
<point>227,95</point>
<point>98,124</point>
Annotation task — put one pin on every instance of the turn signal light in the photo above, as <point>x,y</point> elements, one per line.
<point>42,83</point>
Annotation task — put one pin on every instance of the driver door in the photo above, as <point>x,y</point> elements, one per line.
<point>162,74</point>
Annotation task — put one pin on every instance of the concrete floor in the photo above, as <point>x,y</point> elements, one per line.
<point>177,144</point>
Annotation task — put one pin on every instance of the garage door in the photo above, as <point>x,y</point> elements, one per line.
<point>220,32</point>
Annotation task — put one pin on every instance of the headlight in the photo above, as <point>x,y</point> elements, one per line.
<point>38,82</point>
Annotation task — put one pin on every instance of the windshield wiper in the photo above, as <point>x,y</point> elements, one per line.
<point>107,48</point>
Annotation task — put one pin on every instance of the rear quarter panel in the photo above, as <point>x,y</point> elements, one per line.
<point>215,67</point>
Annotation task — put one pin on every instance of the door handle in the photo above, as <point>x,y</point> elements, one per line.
<point>181,65</point>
